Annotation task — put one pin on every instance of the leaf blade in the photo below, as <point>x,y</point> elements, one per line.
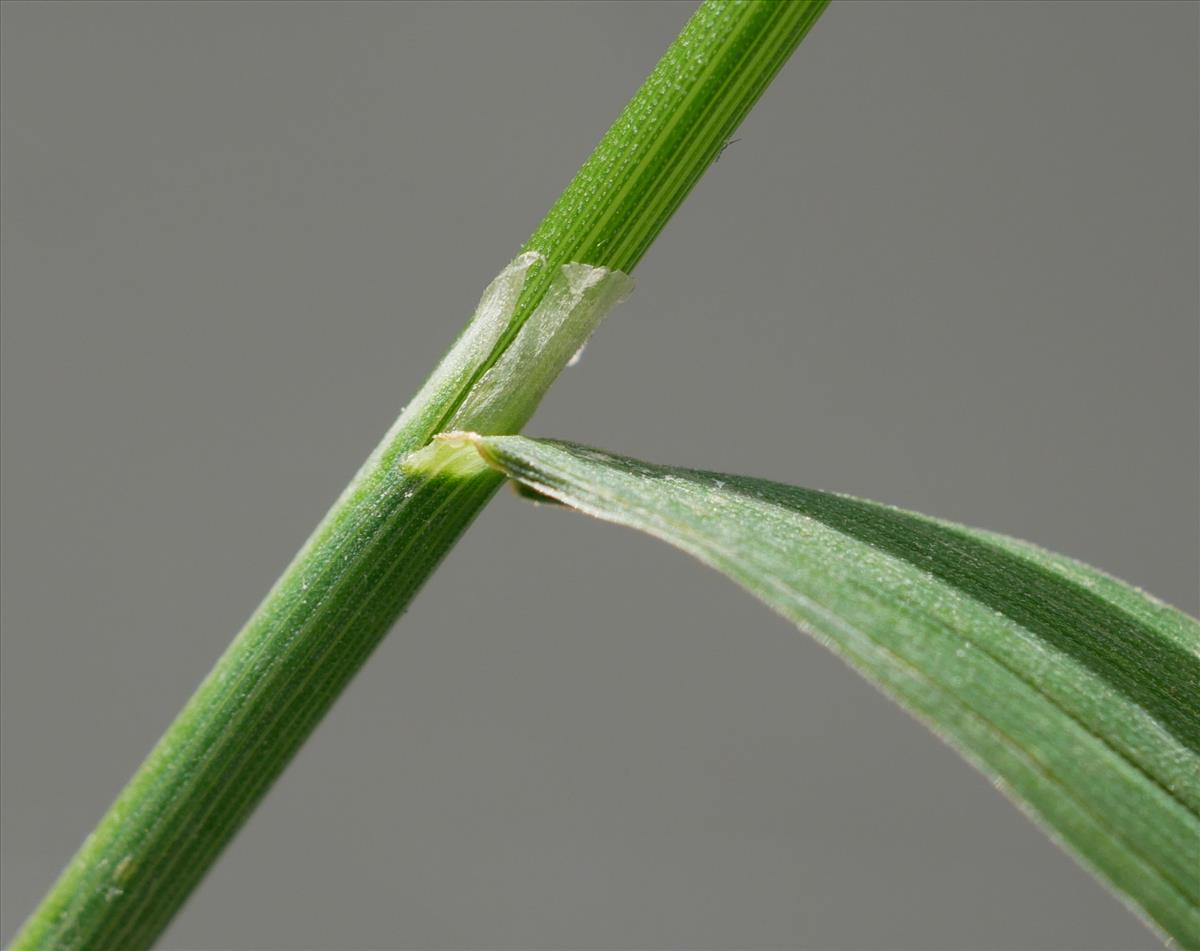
<point>1073,691</point>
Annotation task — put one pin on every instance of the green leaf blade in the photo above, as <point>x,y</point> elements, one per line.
<point>1075,693</point>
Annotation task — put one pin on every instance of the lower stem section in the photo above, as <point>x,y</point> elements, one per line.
<point>256,708</point>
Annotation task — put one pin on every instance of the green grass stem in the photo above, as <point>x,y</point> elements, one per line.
<point>390,528</point>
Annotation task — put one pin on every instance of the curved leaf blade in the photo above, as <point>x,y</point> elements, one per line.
<point>1074,692</point>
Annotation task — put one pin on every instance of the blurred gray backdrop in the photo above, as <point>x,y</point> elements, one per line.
<point>950,263</point>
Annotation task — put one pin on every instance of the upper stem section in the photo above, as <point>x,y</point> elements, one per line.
<point>649,160</point>
<point>671,131</point>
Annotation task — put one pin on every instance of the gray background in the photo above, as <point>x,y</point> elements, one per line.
<point>951,264</point>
